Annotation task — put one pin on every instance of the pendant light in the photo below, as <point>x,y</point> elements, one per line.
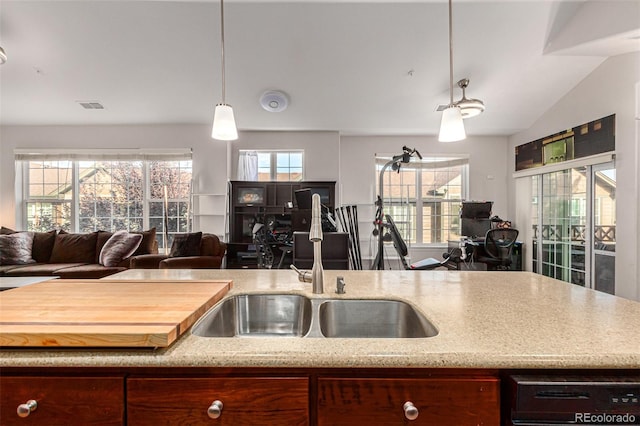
<point>451,126</point>
<point>224,123</point>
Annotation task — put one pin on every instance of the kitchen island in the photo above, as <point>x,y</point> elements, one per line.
<point>489,324</point>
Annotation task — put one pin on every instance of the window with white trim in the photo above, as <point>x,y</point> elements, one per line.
<point>424,197</point>
<point>271,165</point>
<point>100,190</point>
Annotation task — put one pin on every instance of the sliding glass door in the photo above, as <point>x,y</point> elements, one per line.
<point>573,213</point>
<point>604,227</point>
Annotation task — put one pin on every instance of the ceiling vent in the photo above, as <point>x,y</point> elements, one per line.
<point>274,101</point>
<point>90,104</point>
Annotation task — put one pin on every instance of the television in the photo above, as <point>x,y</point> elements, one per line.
<point>476,209</point>
<point>250,196</point>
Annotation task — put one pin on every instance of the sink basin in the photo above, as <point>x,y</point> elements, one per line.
<point>257,315</point>
<point>373,319</point>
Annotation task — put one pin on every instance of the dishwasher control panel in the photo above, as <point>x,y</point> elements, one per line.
<point>573,400</point>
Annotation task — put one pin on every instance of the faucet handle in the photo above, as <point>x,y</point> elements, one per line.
<point>303,276</point>
<point>340,285</point>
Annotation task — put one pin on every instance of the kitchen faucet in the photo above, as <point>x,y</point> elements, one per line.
<point>316,278</point>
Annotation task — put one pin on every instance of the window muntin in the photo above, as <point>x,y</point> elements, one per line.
<point>433,187</point>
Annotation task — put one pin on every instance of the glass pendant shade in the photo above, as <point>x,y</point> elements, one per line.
<point>224,124</point>
<point>451,126</point>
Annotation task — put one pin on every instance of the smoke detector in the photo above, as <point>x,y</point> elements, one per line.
<point>274,101</point>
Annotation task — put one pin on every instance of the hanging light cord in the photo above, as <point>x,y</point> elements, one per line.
<point>222,50</point>
<point>450,56</point>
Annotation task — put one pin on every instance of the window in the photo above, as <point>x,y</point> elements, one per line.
<point>110,192</point>
<point>424,197</point>
<point>280,166</point>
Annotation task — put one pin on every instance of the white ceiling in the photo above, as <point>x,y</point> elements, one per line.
<point>359,67</point>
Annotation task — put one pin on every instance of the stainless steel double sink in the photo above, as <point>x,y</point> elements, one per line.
<point>290,315</point>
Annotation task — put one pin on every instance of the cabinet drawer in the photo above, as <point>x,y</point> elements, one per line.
<point>441,401</point>
<point>63,400</point>
<point>245,401</point>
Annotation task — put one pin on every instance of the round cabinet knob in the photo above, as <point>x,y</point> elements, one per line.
<point>25,409</point>
<point>215,409</point>
<point>410,410</point>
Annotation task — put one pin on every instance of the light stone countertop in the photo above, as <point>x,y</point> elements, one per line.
<point>485,320</point>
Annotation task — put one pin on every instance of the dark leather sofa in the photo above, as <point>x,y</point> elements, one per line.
<point>74,256</point>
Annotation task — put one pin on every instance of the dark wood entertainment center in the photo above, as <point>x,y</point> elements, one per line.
<point>273,204</point>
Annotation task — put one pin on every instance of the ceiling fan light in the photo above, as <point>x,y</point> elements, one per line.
<point>224,124</point>
<point>470,107</point>
<point>451,126</point>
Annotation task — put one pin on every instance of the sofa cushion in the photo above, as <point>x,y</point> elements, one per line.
<point>40,269</point>
<point>43,245</point>
<point>120,246</point>
<point>4,269</point>
<point>88,271</point>
<point>15,249</point>
<point>186,245</point>
<point>74,248</point>
<point>148,244</point>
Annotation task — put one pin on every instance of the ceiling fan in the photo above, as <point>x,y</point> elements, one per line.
<point>468,107</point>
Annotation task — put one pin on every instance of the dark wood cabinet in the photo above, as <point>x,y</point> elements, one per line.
<point>253,396</point>
<point>225,401</point>
<point>393,401</point>
<point>273,204</point>
<point>62,400</point>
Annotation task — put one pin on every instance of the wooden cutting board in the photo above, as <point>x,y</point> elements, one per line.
<point>104,313</point>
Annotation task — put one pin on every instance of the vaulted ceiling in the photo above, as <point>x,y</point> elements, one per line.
<point>358,67</point>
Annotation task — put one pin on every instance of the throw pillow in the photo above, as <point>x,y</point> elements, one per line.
<point>148,244</point>
<point>74,248</point>
<point>15,249</point>
<point>186,245</point>
<point>120,246</point>
<point>43,245</point>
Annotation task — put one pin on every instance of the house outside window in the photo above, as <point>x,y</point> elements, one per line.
<point>271,165</point>
<point>110,192</point>
<point>424,197</point>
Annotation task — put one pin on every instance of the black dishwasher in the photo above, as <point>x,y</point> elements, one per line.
<point>573,400</point>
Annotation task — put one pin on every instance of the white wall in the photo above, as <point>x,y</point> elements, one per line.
<point>488,170</point>
<point>321,150</point>
<point>610,89</point>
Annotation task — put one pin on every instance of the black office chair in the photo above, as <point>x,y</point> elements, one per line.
<point>498,245</point>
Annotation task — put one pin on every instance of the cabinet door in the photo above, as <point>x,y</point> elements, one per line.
<point>245,401</point>
<point>431,401</point>
<point>62,400</point>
